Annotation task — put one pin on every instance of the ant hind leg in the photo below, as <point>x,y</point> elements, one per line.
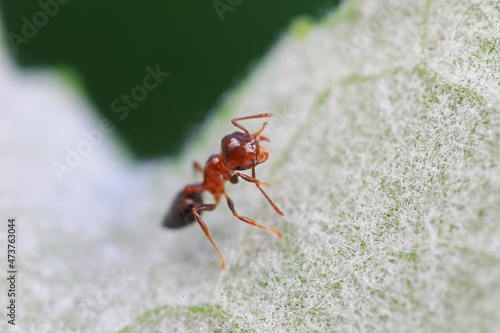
<point>205,228</point>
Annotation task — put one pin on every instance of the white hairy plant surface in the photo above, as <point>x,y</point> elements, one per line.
<point>383,154</point>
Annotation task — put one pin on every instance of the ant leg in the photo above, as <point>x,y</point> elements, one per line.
<point>262,115</point>
<point>205,228</point>
<point>253,176</point>
<point>257,183</point>
<point>248,220</point>
<point>198,167</point>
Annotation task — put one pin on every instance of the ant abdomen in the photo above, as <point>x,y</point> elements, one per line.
<point>181,211</point>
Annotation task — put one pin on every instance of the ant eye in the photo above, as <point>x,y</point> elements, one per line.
<point>240,168</point>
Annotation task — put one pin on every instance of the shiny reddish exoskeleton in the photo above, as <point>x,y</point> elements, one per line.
<point>240,151</point>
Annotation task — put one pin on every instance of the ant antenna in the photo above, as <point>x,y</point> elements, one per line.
<point>262,115</point>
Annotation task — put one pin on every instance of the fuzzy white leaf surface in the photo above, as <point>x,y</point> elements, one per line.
<point>384,156</point>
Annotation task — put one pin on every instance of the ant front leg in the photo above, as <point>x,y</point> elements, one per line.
<point>205,228</point>
<point>234,180</point>
<point>246,219</point>
<point>198,167</point>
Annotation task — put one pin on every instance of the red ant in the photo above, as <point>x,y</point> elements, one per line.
<point>240,151</point>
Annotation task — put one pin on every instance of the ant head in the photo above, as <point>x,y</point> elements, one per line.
<point>240,151</point>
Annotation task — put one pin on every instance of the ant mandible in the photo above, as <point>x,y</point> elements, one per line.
<point>240,151</point>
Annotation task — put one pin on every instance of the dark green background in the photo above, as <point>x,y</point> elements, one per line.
<point>109,43</point>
